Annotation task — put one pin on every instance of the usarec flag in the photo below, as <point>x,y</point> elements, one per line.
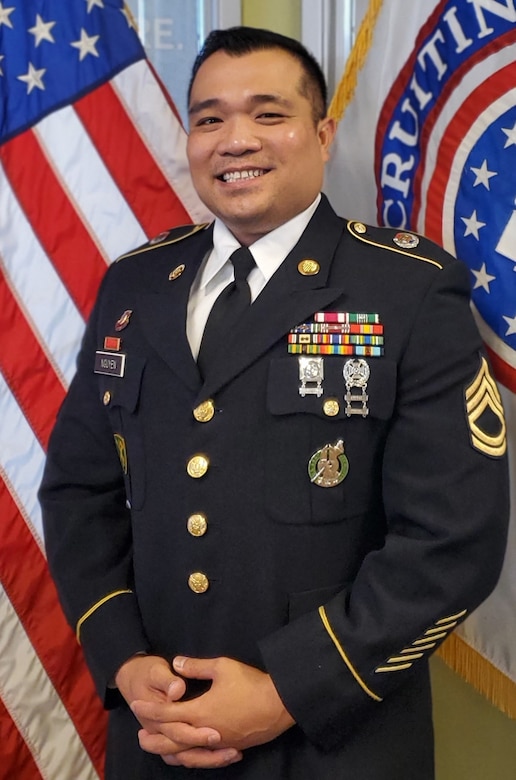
<point>426,141</point>
<point>92,163</point>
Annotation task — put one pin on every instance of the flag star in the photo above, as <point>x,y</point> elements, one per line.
<point>93,3</point>
<point>33,78</point>
<point>473,225</point>
<point>126,11</point>
<point>86,45</point>
<point>41,31</point>
<point>482,278</point>
<point>510,132</point>
<point>4,16</point>
<point>511,322</point>
<point>483,174</point>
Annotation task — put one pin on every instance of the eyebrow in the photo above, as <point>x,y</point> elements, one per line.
<point>254,100</point>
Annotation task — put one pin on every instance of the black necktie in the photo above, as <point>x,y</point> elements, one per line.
<point>227,310</point>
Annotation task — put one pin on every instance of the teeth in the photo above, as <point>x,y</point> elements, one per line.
<point>237,175</point>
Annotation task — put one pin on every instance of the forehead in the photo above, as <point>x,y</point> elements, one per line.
<point>259,72</point>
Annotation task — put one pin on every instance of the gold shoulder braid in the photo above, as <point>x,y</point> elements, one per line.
<point>401,242</point>
<point>167,237</point>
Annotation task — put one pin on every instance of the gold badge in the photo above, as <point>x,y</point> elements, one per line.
<point>122,451</point>
<point>308,267</point>
<point>483,401</point>
<point>360,227</point>
<point>176,273</point>
<point>328,466</point>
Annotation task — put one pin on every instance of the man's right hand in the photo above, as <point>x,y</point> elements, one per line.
<point>149,678</point>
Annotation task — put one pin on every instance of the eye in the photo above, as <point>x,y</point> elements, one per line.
<point>270,115</point>
<point>206,121</point>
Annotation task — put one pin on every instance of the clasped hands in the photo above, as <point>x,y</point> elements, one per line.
<point>241,709</point>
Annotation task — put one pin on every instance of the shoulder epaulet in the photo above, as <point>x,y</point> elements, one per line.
<point>399,241</point>
<point>167,237</point>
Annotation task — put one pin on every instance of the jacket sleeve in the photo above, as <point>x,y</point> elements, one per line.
<point>445,496</point>
<point>87,525</point>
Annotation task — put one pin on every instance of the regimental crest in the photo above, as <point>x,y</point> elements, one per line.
<point>485,414</point>
<point>446,156</point>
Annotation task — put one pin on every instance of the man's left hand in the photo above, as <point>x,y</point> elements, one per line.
<point>242,704</point>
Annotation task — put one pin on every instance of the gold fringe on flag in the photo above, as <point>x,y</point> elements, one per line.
<point>355,62</point>
<point>476,670</point>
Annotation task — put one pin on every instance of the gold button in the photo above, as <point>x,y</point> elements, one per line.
<point>205,411</point>
<point>308,267</point>
<point>197,466</point>
<point>197,525</point>
<point>198,582</point>
<point>107,398</point>
<point>360,227</point>
<point>331,407</point>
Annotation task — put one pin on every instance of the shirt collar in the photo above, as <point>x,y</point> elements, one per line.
<point>268,252</point>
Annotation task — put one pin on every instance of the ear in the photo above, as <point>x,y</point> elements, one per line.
<point>326,129</point>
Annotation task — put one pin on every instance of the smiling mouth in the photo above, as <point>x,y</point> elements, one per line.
<point>231,176</point>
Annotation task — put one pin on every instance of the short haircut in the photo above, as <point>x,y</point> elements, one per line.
<point>237,41</point>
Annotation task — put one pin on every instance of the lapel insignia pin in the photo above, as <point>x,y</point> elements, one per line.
<point>328,466</point>
<point>356,375</point>
<point>176,273</point>
<point>308,267</point>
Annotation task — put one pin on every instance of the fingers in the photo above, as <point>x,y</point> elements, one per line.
<point>199,758</point>
<point>170,735</point>
<point>197,668</point>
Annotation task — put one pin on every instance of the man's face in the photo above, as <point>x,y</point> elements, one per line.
<point>256,156</point>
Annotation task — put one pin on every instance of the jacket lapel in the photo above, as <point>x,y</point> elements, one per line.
<point>288,299</point>
<point>164,307</point>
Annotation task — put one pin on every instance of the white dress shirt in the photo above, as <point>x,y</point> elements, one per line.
<point>216,271</point>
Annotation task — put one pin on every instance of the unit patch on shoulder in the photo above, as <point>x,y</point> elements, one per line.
<point>485,415</point>
<point>122,451</point>
<point>167,237</point>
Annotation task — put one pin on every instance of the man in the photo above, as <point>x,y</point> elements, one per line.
<point>260,551</point>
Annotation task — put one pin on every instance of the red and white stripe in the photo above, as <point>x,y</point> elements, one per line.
<point>86,184</point>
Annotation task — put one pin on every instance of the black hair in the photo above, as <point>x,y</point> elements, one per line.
<point>237,41</point>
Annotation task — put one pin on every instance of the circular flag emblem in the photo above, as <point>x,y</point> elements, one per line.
<point>446,158</point>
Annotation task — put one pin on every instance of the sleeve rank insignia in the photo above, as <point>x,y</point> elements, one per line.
<point>485,415</point>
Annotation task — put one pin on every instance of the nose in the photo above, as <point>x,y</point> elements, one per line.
<point>239,136</point>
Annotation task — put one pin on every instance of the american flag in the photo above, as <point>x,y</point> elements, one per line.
<point>92,163</point>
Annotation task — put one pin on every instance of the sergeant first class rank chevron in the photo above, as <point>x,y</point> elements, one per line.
<point>338,333</point>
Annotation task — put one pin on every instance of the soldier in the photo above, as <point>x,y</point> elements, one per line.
<point>278,481</point>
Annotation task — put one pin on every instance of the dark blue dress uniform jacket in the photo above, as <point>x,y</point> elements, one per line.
<point>340,593</point>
